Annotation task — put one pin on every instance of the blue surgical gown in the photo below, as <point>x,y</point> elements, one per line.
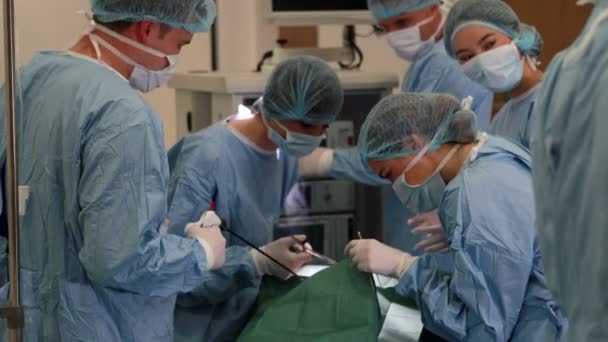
<point>433,71</point>
<point>497,290</point>
<point>570,152</point>
<point>96,264</point>
<point>247,186</point>
<point>514,120</point>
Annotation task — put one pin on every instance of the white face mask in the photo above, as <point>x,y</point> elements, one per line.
<point>408,42</point>
<point>142,78</point>
<point>500,69</point>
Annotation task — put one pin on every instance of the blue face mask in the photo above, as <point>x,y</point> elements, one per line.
<point>296,145</point>
<point>422,198</point>
<point>499,70</point>
<point>426,196</point>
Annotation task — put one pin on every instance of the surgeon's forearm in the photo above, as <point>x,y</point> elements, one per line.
<point>218,286</point>
<point>162,266</point>
<point>431,290</point>
<point>467,302</point>
<point>186,204</point>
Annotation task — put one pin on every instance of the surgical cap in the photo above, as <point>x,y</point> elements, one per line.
<point>304,89</point>
<point>496,15</point>
<point>435,119</point>
<point>384,9</point>
<point>191,15</point>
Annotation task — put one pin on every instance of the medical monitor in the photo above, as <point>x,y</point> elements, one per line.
<point>317,12</point>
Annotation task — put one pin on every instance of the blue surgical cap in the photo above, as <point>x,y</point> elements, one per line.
<point>384,9</point>
<point>496,15</point>
<point>304,89</point>
<point>435,119</point>
<point>191,15</point>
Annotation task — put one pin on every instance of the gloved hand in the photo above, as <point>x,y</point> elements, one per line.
<point>207,231</point>
<point>287,251</point>
<point>429,224</point>
<point>317,164</point>
<point>374,257</point>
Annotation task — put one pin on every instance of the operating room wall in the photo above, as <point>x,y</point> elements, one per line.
<point>378,55</point>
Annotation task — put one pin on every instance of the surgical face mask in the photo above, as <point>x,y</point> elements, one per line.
<point>142,78</point>
<point>499,70</point>
<point>146,80</point>
<point>408,42</point>
<point>426,196</point>
<point>296,145</point>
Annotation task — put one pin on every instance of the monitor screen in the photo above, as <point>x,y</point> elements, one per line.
<point>317,12</point>
<point>318,5</point>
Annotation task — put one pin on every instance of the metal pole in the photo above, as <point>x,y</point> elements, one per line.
<point>214,47</point>
<point>14,312</point>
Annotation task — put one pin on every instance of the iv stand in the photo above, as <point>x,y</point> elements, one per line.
<point>13,312</point>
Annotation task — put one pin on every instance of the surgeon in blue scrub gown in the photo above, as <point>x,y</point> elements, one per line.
<point>96,263</point>
<point>499,52</point>
<point>413,29</point>
<point>570,153</point>
<point>429,147</point>
<point>235,167</point>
